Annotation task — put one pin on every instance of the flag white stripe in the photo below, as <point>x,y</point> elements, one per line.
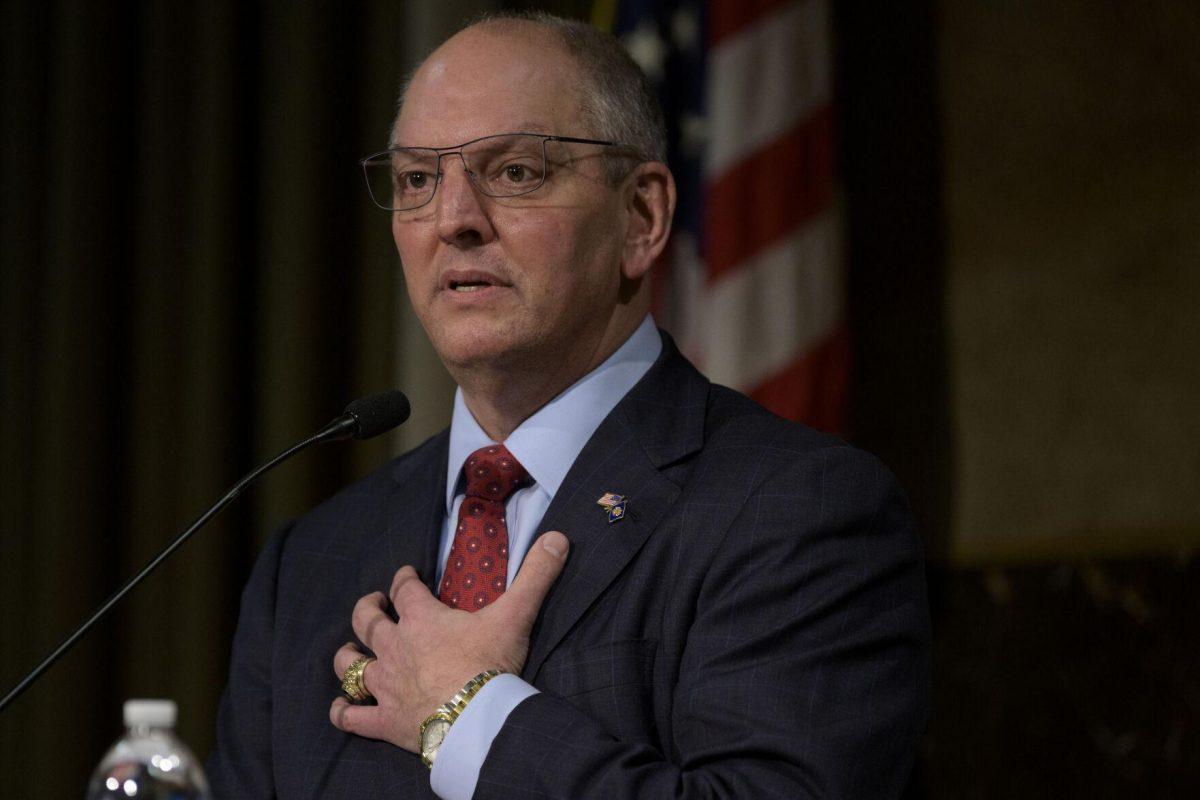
<point>775,306</point>
<point>766,78</point>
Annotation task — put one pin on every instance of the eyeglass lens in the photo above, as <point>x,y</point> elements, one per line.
<point>499,166</point>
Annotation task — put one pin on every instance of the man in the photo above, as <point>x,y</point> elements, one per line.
<point>633,583</point>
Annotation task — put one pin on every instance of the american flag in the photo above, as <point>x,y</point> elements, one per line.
<point>752,283</point>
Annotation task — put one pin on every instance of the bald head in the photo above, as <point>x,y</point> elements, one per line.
<point>609,96</point>
<point>483,73</point>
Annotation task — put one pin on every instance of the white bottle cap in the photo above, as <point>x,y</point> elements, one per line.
<point>152,713</point>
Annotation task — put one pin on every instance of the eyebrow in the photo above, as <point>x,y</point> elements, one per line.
<point>524,127</point>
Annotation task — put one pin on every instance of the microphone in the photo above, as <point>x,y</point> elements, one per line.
<point>367,417</point>
<point>364,418</point>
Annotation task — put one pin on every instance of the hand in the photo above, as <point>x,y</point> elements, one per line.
<point>427,656</point>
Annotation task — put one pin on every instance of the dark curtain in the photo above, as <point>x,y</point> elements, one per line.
<point>192,278</point>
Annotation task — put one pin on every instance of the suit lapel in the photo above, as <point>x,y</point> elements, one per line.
<point>412,520</point>
<point>659,422</point>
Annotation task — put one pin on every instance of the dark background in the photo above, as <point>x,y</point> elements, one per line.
<point>191,277</point>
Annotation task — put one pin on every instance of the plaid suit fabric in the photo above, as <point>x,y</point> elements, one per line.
<point>755,626</point>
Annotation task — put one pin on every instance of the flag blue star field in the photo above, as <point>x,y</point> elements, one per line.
<point>752,282</point>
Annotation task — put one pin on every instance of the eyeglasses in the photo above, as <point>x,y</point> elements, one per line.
<point>502,165</point>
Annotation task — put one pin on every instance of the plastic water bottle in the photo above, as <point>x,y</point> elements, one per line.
<point>149,762</point>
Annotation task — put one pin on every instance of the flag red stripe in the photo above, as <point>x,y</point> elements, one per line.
<point>812,388</point>
<point>770,193</point>
<point>725,18</point>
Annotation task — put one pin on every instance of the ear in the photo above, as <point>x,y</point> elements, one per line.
<point>650,205</point>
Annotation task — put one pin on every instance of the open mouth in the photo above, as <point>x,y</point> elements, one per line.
<point>469,286</point>
<point>468,281</point>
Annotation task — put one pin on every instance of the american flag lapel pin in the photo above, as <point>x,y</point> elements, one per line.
<point>615,505</point>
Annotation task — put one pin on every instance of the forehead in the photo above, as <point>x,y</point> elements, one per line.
<point>491,79</point>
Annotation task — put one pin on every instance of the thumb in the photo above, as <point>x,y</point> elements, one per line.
<point>540,569</point>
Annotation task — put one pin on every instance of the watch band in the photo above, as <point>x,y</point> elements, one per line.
<point>457,704</point>
<point>450,711</point>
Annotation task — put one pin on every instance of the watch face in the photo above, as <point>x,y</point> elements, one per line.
<point>433,735</point>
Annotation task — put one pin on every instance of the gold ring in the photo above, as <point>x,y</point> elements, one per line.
<point>352,680</point>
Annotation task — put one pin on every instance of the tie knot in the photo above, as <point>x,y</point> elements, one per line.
<point>493,473</point>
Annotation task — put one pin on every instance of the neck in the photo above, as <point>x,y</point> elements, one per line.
<point>500,404</point>
<point>502,396</point>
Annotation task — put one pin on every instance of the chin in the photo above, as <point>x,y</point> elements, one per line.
<point>473,349</point>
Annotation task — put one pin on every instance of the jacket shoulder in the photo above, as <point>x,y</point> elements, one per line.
<point>732,415</point>
<point>747,437</point>
<point>358,506</point>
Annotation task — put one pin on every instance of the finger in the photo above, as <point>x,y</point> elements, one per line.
<point>407,588</point>
<point>368,616</point>
<point>346,655</point>
<point>368,721</point>
<point>405,573</point>
<point>542,565</point>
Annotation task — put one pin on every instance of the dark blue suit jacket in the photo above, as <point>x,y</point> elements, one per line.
<point>755,627</point>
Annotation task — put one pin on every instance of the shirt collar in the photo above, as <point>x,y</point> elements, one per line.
<point>548,443</point>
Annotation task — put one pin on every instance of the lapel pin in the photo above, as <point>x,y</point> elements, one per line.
<point>615,505</point>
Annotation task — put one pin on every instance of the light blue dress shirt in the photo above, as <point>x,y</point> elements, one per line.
<point>546,444</point>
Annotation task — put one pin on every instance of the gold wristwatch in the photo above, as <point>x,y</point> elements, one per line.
<point>435,728</point>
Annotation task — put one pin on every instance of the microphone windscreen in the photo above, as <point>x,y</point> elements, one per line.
<point>378,413</point>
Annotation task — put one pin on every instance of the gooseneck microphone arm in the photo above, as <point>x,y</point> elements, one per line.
<point>364,418</point>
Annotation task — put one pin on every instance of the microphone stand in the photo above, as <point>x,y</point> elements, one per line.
<point>344,427</point>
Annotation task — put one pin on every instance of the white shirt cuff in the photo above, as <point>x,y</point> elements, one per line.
<point>459,759</point>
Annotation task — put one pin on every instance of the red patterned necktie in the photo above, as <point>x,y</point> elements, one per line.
<point>477,570</point>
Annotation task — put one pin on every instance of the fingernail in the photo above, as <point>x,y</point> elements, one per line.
<point>555,543</point>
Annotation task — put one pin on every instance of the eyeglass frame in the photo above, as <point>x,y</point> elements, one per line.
<point>457,150</point>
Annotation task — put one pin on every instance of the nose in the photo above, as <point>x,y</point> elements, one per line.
<point>462,219</point>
